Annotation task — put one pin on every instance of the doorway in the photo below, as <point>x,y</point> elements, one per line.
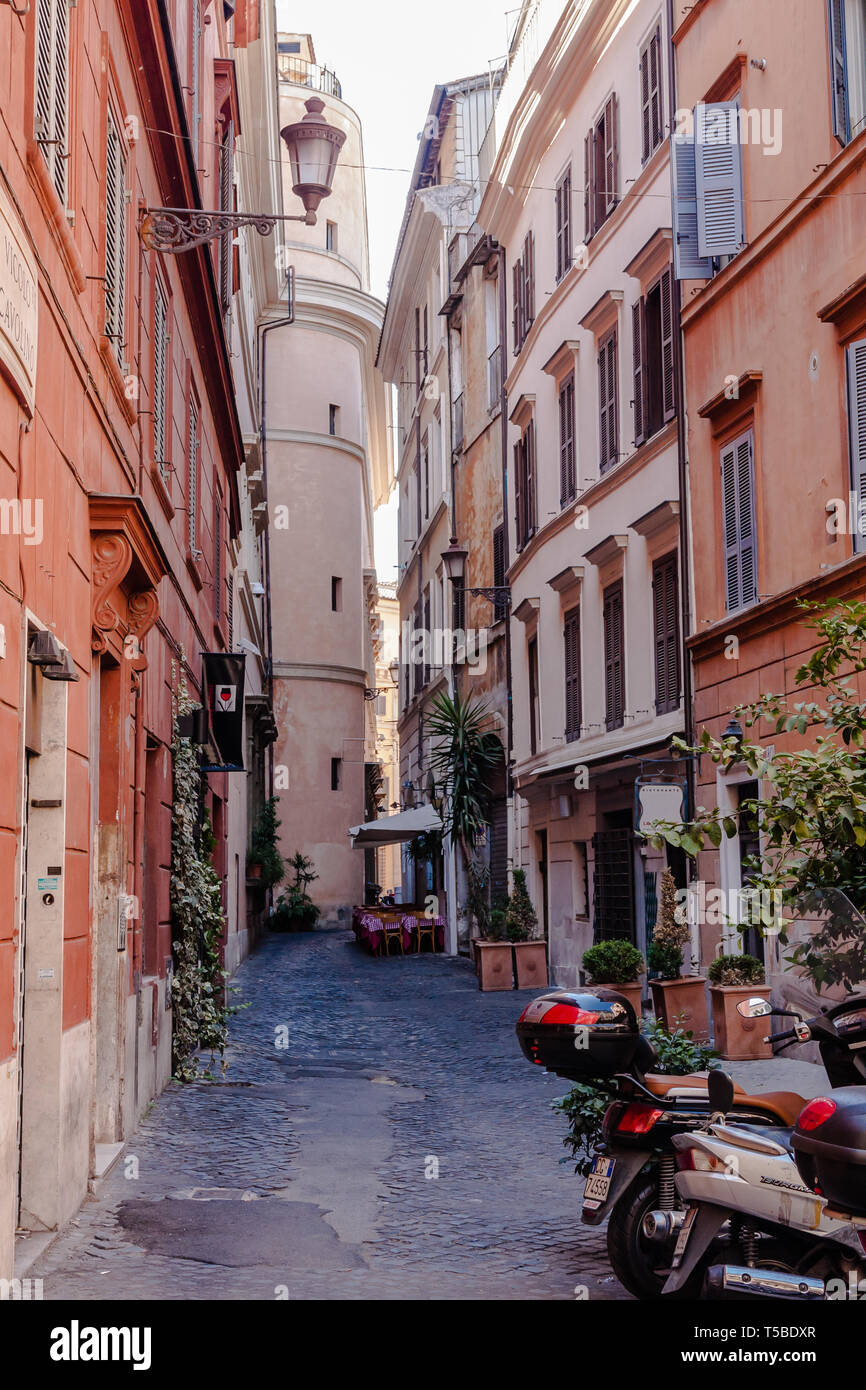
<point>541,840</point>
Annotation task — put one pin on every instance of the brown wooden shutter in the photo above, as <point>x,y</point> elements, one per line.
<point>500,609</point>
<point>529,281</point>
<point>667,345</point>
<point>515,292</point>
<point>571,636</point>
<point>529,477</point>
<point>559,218</point>
<point>532,661</point>
<point>655,79</point>
<point>589,186</point>
<point>666,634</point>
<point>614,657</point>
<point>607,389</point>
<point>519,525</point>
<point>646,114</point>
<point>638,329</point>
<point>567,471</point>
<point>603,448</point>
<point>611,155</point>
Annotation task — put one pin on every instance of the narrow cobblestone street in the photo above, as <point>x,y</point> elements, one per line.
<point>302,1173</point>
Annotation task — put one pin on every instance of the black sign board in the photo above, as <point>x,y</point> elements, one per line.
<point>223,692</point>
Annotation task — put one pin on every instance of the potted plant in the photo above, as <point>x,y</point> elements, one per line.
<point>521,928</point>
<point>264,861</point>
<point>734,978</point>
<point>465,757</point>
<point>676,997</point>
<point>294,909</point>
<point>616,965</point>
<point>494,964</point>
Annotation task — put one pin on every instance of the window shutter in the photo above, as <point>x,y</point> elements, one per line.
<point>667,345</point>
<point>719,178</point>
<point>839,71</point>
<point>646,114</point>
<point>567,478</point>
<point>607,394</point>
<point>611,155</point>
<point>517,290</point>
<point>192,477</point>
<point>638,328</point>
<point>559,231</point>
<point>51,106</point>
<point>614,682</point>
<point>529,477</point>
<point>196,64</point>
<point>666,634</point>
<point>738,521</point>
<point>160,376</point>
<point>529,273</point>
<point>589,187</point>
<point>689,264</point>
<point>573,713</point>
<point>655,83</point>
<point>520,529</point>
<point>856,355</point>
<point>566,222</point>
<point>226,194</point>
<point>115,237</point>
<point>500,609</point>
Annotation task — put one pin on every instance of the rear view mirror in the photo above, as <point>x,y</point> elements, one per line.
<point>756,1007</point>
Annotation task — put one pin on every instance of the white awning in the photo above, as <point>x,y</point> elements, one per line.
<point>390,830</point>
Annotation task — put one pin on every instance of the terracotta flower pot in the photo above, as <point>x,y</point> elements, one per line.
<point>254,871</point>
<point>632,992</point>
<point>682,1003</point>
<point>530,964</point>
<point>494,965</point>
<point>739,1039</point>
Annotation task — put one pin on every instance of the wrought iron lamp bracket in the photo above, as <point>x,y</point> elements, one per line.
<point>171,230</point>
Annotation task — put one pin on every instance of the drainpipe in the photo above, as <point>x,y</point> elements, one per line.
<point>682,465</point>
<point>503,435</point>
<point>263,330</point>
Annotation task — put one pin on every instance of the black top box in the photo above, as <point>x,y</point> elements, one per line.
<point>579,1034</point>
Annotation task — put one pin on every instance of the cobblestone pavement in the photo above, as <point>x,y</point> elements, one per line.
<point>304,1173</point>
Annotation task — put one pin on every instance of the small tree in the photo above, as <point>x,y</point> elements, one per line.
<point>671,933</point>
<point>521,922</point>
<point>812,815</point>
<point>263,844</point>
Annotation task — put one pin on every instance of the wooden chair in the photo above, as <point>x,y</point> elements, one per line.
<point>392,930</point>
<point>425,930</point>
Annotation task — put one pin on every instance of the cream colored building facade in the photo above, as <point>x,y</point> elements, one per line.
<point>415,354</point>
<point>327,468</point>
<point>386,751</point>
<point>577,188</point>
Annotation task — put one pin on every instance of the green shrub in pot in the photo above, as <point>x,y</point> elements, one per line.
<point>613,962</point>
<point>736,970</point>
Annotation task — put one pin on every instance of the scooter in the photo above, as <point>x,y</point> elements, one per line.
<point>646,1238</point>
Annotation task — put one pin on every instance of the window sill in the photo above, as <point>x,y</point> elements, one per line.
<point>55,216</point>
<point>117,379</point>
<point>195,572</point>
<point>161,488</point>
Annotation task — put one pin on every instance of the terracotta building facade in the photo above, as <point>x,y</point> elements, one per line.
<point>771,185</point>
<point>120,449</point>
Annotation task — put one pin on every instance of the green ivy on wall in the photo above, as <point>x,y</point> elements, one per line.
<point>200,1013</point>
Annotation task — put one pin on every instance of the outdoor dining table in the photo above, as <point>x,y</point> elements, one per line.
<point>368,925</point>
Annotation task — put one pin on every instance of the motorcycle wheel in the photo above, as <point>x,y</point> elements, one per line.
<point>642,1266</point>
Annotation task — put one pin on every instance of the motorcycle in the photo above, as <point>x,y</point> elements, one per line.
<point>633,1180</point>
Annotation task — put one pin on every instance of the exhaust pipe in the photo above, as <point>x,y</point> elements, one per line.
<point>659,1226</point>
<point>739,1281</point>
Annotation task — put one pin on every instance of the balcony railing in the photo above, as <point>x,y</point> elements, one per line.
<point>494,378</point>
<point>457,427</point>
<point>297,70</point>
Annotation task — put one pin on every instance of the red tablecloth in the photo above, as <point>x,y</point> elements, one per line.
<point>368,928</point>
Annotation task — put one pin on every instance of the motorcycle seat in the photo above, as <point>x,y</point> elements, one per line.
<point>662,1085</point>
<point>785,1105</point>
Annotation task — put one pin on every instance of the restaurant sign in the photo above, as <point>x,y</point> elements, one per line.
<point>19,305</point>
<point>656,800</point>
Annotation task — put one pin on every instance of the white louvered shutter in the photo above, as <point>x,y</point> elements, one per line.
<point>738,522</point>
<point>856,356</point>
<point>52,100</point>
<point>719,178</point>
<point>689,264</point>
<point>160,376</point>
<point>115,237</point>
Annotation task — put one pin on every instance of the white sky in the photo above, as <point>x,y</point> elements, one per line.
<point>388,56</point>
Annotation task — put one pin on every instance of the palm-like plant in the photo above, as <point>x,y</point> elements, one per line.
<point>464,760</point>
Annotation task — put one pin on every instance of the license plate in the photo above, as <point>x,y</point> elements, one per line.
<point>598,1183</point>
